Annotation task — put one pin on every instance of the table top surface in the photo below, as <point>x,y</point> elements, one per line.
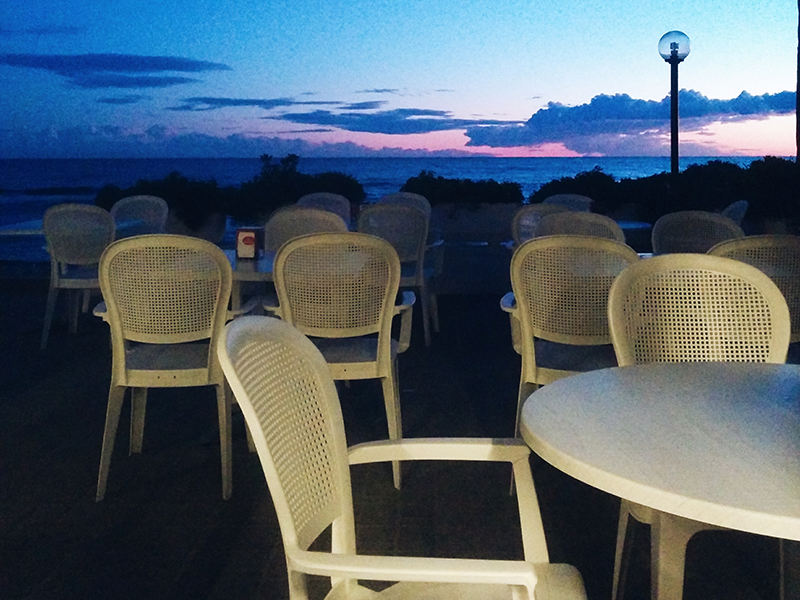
<point>713,442</point>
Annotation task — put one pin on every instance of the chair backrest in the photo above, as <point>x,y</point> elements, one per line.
<point>692,231</point>
<point>527,217</point>
<point>164,289</point>
<point>697,307</point>
<point>288,398</point>
<point>293,221</point>
<point>736,211</point>
<point>405,227</point>
<point>577,202</point>
<point>338,285</point>
<point>561,286</point>
<point>77,234</point>
<point>580,223</point>
<point>138,215</point>
<point>409,199</point>
<point>335,203</point>
<point>777,256</point>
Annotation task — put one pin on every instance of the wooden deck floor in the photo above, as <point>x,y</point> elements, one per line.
<point>164,531</point>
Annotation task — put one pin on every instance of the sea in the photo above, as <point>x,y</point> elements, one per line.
<point>29,187</point>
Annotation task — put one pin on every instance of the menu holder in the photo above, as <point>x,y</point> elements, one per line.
<point>249,242</point>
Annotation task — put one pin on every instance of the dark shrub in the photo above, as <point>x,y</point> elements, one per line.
<point>595,184</point>
<point>772,188</point>
<point>280,184</point>
<point>190,201</point>
<point>439,190</point>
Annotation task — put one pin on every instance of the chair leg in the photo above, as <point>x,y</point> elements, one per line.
<point>115,397</point>
<point>434,302</point>
<point>87,295</point>
<point>525,390</point>
<point>391,399</point>
<point>669,536</point>
<point>426,313</point>
<point>74,308</point>
<point>52,296</point>
<point>789,552</point>
<point>622,554</point>
<point>226,452</point>
<point>251,445</point>
<point>138,407</point>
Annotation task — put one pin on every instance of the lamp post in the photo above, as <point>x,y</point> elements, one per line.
<point>673,48</point>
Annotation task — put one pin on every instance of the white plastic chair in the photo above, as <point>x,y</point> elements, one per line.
<point>558,307</point>
<point>576,202</point>
<point>527,217</point>
<point>692,231</point>
<point>289,400</point>
<point>778,256</point>
<point>140,215</point>
<point>335,203</point>
<point>434,254</point>
<point>579,223</point>
<point>295,220</point>
<point>736,211</point>
<point>340,289</point>
<point>165,300</point>
<point>76,235</point>
<point>408,199</point>
<point>688,307</point>
<point>405,227</point>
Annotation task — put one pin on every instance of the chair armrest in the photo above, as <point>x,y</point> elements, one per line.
<point>511,450</point>
<point>271,305</point>
<point>101,311</point>
<point>406,568</point>
<point>508,302</point>
<point>248,308</point>
<point>436,251</point>
<point>405,309</point>
<point>473,449</point>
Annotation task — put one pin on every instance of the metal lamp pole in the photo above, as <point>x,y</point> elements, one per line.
<point>674,47</point>
<point>674,61</point>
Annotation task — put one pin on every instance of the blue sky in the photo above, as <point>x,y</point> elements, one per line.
<point>127,78</point>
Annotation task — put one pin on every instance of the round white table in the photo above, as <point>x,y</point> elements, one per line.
<point>714,442</point>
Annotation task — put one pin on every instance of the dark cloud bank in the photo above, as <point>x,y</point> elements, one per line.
<point>114,70</point>
<point>608,124</point>
<point>619,117</point>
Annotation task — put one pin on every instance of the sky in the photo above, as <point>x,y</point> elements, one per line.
<point>242,78</point>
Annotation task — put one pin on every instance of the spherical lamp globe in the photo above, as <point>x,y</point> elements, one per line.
<point>674,45</point>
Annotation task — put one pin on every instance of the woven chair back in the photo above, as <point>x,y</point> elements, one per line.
<point>293,221</point>
<point>527,217</point>
<point>165,289</point>
<point>140,215</point>
<point>777,256</point>
<point>692,231</point>
<point>408,199</point>
<point>580,223</point>
<point>561,284</point>
<point>77,234</point>
<point>696,307</point>
<point>335,203</point>
<point>338,284</point>
<point>403,226</point>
